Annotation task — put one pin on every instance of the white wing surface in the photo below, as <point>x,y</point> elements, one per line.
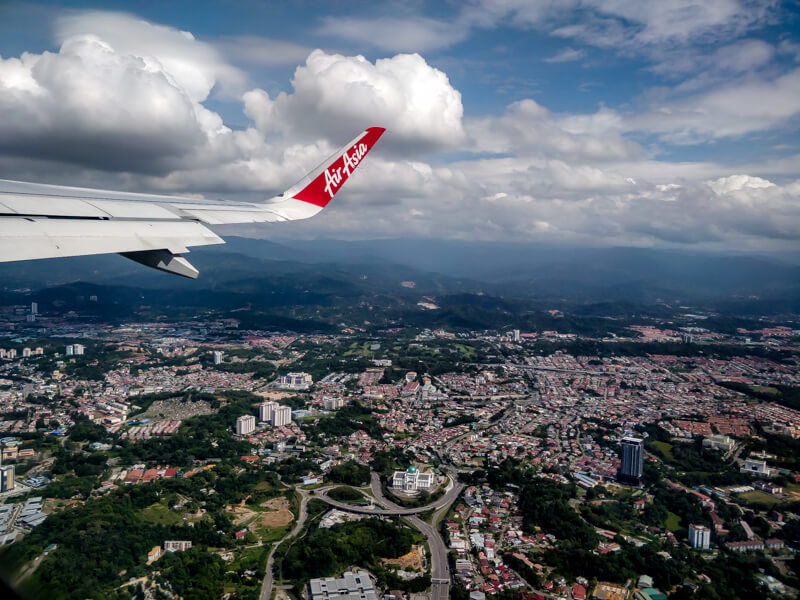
<point>47,221</point>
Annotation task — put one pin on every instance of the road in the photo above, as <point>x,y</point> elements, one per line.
<point>266,585</point>
<point>440,570</point>
<point>389,507</point>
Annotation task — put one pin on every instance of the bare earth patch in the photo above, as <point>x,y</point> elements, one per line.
<point>412,560</point>
<point>278,516</point>
<point>240,514</point>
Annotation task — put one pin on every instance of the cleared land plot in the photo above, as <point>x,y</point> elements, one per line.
<point>759,496</point>
<point>158,514</point>
<point>412,560</point>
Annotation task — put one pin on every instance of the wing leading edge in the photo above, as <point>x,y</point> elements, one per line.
<point>45,221</point>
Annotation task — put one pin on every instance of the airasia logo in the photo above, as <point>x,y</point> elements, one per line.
<point>335,177</point>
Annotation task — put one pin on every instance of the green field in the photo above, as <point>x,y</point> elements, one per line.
<point>764,390</point>
<point>663,447</point>
<point>673,522</point>
<point>272,534</point>
<point>467,352</point>
<point>158,514</point>
<point>358,350</point>
<point>761,497</point>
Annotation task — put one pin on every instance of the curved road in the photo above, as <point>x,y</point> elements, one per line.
<point>440,570</point>
<point>389,507</point>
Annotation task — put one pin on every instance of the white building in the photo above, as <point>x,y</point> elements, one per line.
<point>352,585</point>
<point>412,480</point>
<point>75,349</point>
<point>245,424</point>
<point>333,402</point>
<point>295,381</point>
<point>719,442</point>
<point>699,537</point>
<point>265,410</point>
<point>176,546</point>
<point>281,416</point>
<point>755,467</point>
<point>218,356</point>
<point>34,308</point>
<point>515,335</point>
<point>26,352</point>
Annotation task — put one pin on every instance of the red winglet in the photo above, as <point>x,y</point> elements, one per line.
<point>325,185</point>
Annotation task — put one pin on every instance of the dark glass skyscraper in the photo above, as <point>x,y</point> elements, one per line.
<point>630,471</point>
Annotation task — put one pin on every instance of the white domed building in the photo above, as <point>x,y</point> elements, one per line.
<point>412,480</point>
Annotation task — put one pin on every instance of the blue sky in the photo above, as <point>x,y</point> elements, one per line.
<point>583,121</point>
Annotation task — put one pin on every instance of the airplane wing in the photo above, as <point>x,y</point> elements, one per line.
<point>47,221</point>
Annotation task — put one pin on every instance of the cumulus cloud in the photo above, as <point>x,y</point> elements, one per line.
<point>124,101</point>
<point>194,66</point>
<point>527,127</point>
<point>736,183</point>
<point>89,104</point>
<point>335,95</point>
<point>131,102</point>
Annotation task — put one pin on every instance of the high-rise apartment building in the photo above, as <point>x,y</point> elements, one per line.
<point>75,350</point>
<point>699,537</point>
<point>630,471</point>
<point>281,416</point>
<point>333,402</point>
<point>34,308</point>
<point>7,478</point>
<point>265,411</point>
<point>245,424</point>
<point>218,356</point>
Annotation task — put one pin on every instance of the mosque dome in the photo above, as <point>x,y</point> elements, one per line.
<point>412,469</point>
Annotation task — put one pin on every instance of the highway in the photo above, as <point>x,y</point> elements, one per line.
<point>389,507</point>
<point>440,570</point>
<point>266,585</point>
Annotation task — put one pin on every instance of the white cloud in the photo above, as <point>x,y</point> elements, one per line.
<point>528,128</point>
<point>89,103</point>
<point>257,50</point>
<point>733,109</point>
<point>733,59</point>
<point>629,24</point>
<point>736,183</point>
<point>112,110</point>
<point>566,55</point>
<point>335,95</point>
<point>412,33</point>
<point>790,48</point>
<point>194,67</point>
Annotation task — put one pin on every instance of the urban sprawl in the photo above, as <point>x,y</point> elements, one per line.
<point>509,464</point>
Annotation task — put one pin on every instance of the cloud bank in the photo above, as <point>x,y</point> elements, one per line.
<point>125,103</point>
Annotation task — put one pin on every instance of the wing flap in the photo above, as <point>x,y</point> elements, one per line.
<point>30,238</point>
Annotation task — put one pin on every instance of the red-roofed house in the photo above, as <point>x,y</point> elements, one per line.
<point>134,476</point>
<point>578,592</point>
